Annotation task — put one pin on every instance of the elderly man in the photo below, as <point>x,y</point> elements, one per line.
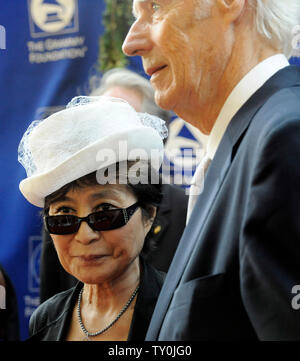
<point>219,65</point>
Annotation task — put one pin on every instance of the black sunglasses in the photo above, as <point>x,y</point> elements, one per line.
<point>98,221</point>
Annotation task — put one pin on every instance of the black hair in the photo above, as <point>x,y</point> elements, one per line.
<point>148,195</point>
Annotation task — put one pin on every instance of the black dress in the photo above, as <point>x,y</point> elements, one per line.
<point>51,320</point>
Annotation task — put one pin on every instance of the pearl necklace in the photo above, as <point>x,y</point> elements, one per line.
<point>93,334</point>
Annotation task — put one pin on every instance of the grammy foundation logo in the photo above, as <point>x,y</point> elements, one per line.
<point>48,17</point>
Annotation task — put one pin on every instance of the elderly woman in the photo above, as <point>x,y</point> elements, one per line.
<point>90,167</point>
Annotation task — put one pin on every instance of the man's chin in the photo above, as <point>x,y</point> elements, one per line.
<point>163,100</point>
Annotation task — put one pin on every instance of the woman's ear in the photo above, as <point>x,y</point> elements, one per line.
<point>151,214</point>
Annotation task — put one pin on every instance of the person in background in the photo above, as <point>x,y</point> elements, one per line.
<point>98,205</point>
<point>134,88</point>
<point>182,136</point>
<point>222,65</point>
<point>170,221</point>
<point>9,315</point>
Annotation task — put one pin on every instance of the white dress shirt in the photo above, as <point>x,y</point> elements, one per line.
<point>243,91</point>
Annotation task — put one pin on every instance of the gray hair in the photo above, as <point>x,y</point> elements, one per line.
<point>274,20</point>
<point>129,79</point>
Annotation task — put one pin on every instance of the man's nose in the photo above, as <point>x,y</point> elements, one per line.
<point>86,234</point>
<point>137,41</point>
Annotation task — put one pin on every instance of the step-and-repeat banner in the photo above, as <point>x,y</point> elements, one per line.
<point>48,52</point>
<point>296,60</point>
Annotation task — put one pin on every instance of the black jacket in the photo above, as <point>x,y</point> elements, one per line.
<point>51,320</point>
<point>239,257</point>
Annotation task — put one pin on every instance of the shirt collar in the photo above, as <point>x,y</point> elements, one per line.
<point>249,84</point>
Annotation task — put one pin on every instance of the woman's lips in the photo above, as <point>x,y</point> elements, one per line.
<point>91,258</point>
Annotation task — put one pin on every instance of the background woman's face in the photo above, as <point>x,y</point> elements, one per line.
<point>96,257</point>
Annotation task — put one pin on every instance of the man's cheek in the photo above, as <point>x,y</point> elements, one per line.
<point>168,37</point>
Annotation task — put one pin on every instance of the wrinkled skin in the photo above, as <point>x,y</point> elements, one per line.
<point>193,60</point>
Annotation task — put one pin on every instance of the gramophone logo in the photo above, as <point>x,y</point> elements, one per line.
<point>49,17</point>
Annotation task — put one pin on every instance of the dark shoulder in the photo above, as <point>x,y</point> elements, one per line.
<point>174,198</point>
<point>280,111</point>
<point>173,190</point>
<point>276,125</point>
<point>152,276</point>
<point>151,283</point>
<point>50,311</point>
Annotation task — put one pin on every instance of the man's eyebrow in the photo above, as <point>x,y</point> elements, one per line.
<point>134,13</point>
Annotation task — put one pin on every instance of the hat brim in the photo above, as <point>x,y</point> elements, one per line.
<point>142,142</point>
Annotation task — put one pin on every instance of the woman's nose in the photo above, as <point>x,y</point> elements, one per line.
<point>86,234</point>
<point>137,41</point>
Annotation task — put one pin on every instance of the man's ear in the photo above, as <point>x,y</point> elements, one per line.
<point>231,9</point>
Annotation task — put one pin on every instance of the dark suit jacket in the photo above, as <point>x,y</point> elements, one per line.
<point>239,257</point>
<point>166,232</point>
<point>51,320</point>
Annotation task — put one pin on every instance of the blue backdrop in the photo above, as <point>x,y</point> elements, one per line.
<point>294,60</point>
<point>48,51</point>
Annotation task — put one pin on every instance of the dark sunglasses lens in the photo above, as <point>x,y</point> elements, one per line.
<point>62,224</point>
<point>106,220</point>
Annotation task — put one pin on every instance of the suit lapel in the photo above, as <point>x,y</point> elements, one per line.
<point>213,180</point>
<point>222,160</point>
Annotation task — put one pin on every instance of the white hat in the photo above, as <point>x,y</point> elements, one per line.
<point>69,144</point>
